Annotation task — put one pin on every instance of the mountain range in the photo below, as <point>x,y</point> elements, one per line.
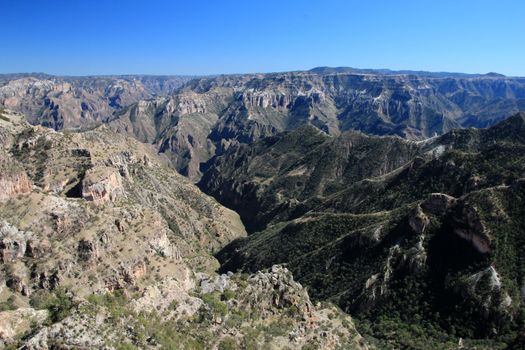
<point>199,119</point>
<point>335,208</point>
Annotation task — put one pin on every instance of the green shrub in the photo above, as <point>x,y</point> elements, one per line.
<point>115,303</point>
<point>228,294</point>
<point>126,346</point>
<point>310,346</point>
<point>228,344</point>
<point>8,305</point>
<point>173,305</point>
<point>59,303</point>
<point>217,307</point>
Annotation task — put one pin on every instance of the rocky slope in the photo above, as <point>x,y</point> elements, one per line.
<point>103,245</point>
<point>267,310</point>
<point>206,115</point>
<point>78,102</point>
<point>418,240</point>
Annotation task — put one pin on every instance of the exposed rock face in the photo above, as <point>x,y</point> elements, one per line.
<point>486,287</point>
<point>14,185</point>
<point>219,283</point>
<point>87,250</point>
<point>471,228</point>
<point>417,220</point>
<point>13,178</point>
<point>77,331</point>
<point>101,185</point>
<point>161,244</point>
<point>276,288</point>
<point>38,248</point>
<point>13,243</point>
<point>438,203</point>
<point>172,290</point>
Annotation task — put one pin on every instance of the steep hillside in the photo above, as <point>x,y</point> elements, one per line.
<point>287,175</point>
<point>103,245</point>
<point>419,250</point>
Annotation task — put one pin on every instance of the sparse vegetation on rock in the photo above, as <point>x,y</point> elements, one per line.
<point>109,247</point>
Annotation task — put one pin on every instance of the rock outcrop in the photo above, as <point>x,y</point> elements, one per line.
<point>438,203</point>
<point>14,244</point>
<point>101,185</point>
<point>13,178</point>
<point>470,227</point>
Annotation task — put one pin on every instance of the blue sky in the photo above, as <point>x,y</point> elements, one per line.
<point>74,37</point>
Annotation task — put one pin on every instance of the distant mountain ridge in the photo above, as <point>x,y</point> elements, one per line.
<point>398,196</point>
<point>193,120</point>
<point>206,115</point>
<point>78,102</point>
<point>331,70</point>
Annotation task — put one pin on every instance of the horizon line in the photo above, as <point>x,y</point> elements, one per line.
<point>384,71</point>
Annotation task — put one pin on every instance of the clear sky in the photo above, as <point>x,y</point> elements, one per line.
<point>80,37</point>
